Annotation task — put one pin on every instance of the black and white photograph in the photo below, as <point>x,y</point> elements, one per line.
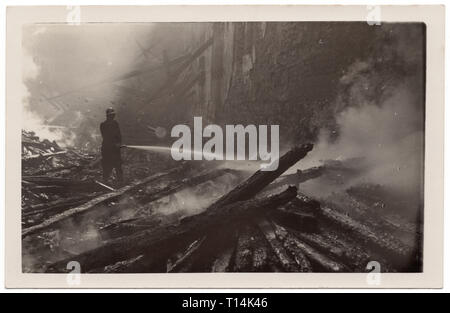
<point>223,146</point>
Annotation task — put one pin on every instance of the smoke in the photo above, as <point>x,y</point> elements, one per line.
<point>64,70</point>
<point>194,200</point>
<point>378,132</point>
<point>31,121</point>
<point>385,137</point>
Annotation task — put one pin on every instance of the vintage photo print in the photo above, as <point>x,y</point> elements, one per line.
<point>277,147</point>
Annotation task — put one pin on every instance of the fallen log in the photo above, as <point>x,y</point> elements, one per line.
<point>321,262</point>
<point>320,243</point>
<point>371,216</point>
<point>57,208</point>
<point>357,255</point>
<point>49,189</point>
<point>55,169</point>
<point>336,248</point>
<point>57,184</point>
<point>103,199</point>
<point>258,181</point>
<point>55,203</point>
<point>48,181</point>
<point>160,242</point>
<point>397,252</point>
<point>284,258</point>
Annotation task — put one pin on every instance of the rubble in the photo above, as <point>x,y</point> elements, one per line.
<point>257,223</point>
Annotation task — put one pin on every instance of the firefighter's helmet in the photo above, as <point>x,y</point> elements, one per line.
<point>110,111</point>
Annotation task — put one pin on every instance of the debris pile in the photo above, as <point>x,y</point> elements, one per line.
<point>197,218</point>
<point>54,179</point>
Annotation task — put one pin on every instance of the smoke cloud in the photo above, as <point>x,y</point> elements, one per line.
<point>387,139</point>
<point>63,70</point>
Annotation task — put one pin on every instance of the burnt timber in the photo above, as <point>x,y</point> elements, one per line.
<point>261,224</point>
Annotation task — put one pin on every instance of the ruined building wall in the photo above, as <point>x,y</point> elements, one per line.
<point>296,75</point>
<point>293,74</point>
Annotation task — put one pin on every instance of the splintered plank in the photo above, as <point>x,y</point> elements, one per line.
<point>162,241</point>
<point>103,199</point>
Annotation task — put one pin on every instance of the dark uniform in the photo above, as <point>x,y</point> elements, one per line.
<point>112,140</point>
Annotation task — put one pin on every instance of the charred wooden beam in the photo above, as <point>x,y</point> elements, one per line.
<point>356,255</point>
<point>397,252</point>
<point>43,181</point>
<point>252,251</point>
<point>299,248</point>
<point>57,169</point>
<point>64,189</point>
<point>95,203</point>
<point>59,206</point>
<point>51,204</point>
<point>289,264</point>
<point>258,181</point>
<point>160,242</point>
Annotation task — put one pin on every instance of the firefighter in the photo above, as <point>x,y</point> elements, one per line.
<point>112,142</point>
